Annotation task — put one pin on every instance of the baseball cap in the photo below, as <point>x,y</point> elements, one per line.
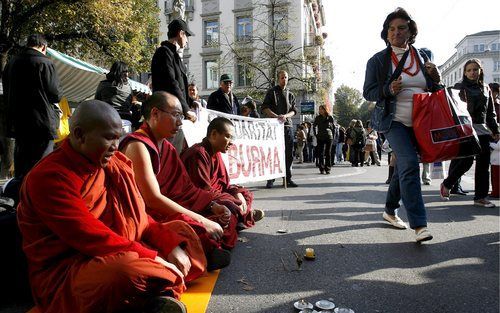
<point>226,78</point>
<point>177,24</point>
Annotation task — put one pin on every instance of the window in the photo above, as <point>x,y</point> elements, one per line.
<point>244,29</point>
<point>479,48</point>
<point>494,46</point>
<point>496,66</point>
<point>211,32</point>
<point>243,73</point>
<point>211,74</point>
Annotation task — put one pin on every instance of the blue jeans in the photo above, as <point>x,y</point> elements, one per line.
<point>338,152</point>
<point>405,183</point>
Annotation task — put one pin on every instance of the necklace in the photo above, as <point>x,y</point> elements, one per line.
<point>407,69</point>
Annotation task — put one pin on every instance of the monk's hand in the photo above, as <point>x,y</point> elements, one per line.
<point>222,212</point>
<point>213,228</point>
<point>243,205</point>
<point>169,265</point>
<point>180,259</point>
<point>281,118</point>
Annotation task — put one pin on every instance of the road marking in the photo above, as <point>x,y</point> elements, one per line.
<point>357,171</point>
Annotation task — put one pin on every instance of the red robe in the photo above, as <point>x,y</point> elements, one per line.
<point>175,184</point>
<point>89,243</point>
<point>208,171</point>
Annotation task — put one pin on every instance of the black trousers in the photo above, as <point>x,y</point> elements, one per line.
<point>324,154</point>
<point>459,167</point>
<point>356,155</point>
<point>288,153</point>
<point>28,151</point>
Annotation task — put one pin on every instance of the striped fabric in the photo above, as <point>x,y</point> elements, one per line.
<point>79,79</point>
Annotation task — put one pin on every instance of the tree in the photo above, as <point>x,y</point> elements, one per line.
<point>365,111</point>
<point>347,103</point>
<point>268,50</point>
<point>100,31</point>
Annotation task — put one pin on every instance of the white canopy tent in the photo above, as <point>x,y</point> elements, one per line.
<point>79,79</point>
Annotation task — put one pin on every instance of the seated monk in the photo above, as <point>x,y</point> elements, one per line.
<point>166,187</point>
<point>203,161</point>
<point>89,243</point>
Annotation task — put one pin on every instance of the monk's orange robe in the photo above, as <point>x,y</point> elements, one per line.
<point>89,243</point>
<point>208,171</point>
<point>175,184</point>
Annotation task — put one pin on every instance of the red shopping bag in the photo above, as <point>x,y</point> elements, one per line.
<point>443,126</point>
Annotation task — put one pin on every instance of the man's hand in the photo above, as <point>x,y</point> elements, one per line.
<point>281,118</point>
<point>168,265</point>
<point>213,228</point>
<point>191,116</point>
<point>222,212</point>
<point>180,259</point>
<point>243,206</point>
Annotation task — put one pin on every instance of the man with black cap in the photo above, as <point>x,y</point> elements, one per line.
<point>223,99</point>
<point>168,72</point>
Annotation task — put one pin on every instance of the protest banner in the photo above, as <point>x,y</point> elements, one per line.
<point>258,150</point>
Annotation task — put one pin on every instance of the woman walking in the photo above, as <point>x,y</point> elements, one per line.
<point>479,100</point>
<point>323,129</point>
<point>393,75</point>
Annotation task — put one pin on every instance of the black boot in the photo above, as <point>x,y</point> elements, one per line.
<point>219,258</point>
<point>391,172</point>
<point>457,190</point>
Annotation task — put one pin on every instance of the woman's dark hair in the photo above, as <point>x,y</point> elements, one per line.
<point>402,14</point>
<point>495,87</point>
<point>251,105</point>
<point>481,72</point>
<point>324,107</point>
<point>116,73</point>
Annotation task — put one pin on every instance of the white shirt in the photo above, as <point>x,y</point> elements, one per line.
<point>409,86</point>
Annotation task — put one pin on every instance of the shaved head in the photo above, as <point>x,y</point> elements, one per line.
<point>93,113</point>
<point>95,128</point>
<point>161,100</point>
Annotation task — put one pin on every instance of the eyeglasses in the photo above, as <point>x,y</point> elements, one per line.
<point>176,115</point>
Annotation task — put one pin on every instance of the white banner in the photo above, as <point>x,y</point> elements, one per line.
<point>258,150</point>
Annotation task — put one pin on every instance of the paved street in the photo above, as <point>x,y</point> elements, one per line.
<point>362,263</point>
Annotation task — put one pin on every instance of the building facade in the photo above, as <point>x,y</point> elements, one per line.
<point>252,40</point>
<point>484,46</point>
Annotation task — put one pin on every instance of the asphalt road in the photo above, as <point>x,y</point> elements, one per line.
<point>361,262</point>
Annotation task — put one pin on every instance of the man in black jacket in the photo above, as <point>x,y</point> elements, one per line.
<point>168,72</point>
<point>223,99</point>
<point>280,103</point>
<point>32,91</point>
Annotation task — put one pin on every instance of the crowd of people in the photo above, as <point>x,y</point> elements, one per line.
<point>102,235</point>
<point>326,143</point>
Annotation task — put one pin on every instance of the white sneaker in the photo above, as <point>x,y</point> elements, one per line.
<point>484,203</point>
<point>395,221</point>
<point>423,234</point>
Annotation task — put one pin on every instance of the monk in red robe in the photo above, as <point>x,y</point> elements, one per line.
<point>90,245</point>
<point>207,170</point>
<point>166,187</point>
